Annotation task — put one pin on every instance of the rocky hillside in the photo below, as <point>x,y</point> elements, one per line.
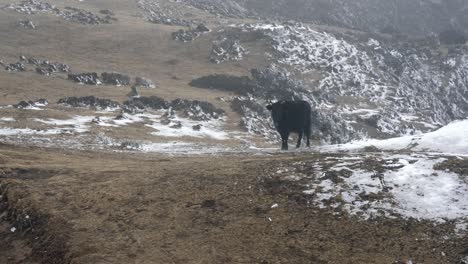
<point>230,56</point>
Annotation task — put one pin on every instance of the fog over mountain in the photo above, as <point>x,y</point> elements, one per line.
<point>416,17</point>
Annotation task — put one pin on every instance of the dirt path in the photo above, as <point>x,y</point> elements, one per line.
<point>88,207</point>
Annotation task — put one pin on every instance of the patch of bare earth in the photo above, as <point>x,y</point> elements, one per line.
<point>91,207</point>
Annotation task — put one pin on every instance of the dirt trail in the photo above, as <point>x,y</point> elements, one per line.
<point>89,207</point>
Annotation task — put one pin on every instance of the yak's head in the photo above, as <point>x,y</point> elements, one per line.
<point>277,112</point>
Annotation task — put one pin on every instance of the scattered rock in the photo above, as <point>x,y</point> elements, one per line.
<point>84,17</point>
<point>189,35</point>
<point>115,79</point>
<point>41,102</point>
<point>47,68</point>
<point>89,101</point>
<point>197,127</point>
<point>227,49</point>
<point>15,67</point>
<point>30,7</point>
<point>142,82</point>
<point>96,120</point>
<point>33,61</point>
<point>85,78</point>
<point>157,14</point>
<point>28,24</point>
<point>197,110</point>
<point>69,13</point>
<point>177,125</point>
<point>31,104</point>
<point>152,102</point>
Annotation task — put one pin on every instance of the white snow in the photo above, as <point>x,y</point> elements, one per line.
<point>411,189</point>
<point>27,131</point>
<point>80,124</point>
<point>7,119</point>
<point>211,129</point>
<point>451,139</point>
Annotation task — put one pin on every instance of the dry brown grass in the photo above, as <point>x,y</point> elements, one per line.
<point>131,208</point>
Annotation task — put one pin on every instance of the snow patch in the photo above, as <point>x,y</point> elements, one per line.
<point>450,139</point>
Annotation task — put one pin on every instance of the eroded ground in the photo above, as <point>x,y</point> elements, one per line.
<point>97,207</point>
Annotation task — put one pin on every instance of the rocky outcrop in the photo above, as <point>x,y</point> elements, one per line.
<point>141,103</point>
<point>85,78</point>
<point>89,101</point>
<point>113,78</point>
<point>18,67</point>
<point>31,104</point>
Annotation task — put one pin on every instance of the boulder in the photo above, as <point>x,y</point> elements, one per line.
<point>115,79</point>
<point>142,82</point>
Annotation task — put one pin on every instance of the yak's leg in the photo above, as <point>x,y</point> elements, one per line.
<point>299,140</point>
<point>284,140</point>
<point>307,134</point>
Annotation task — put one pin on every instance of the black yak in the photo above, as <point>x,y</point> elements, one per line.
<point>291,116</point>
